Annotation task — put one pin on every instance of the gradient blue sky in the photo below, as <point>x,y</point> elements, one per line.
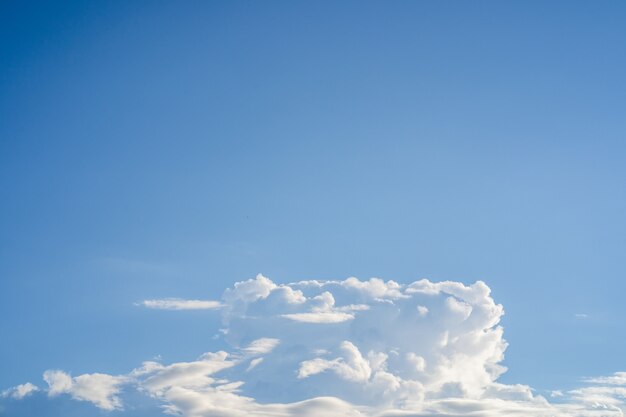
<point>169,149</point>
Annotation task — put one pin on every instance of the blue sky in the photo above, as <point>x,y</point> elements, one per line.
<point>155,149</point>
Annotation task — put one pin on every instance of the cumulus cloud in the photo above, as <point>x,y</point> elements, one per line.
<point>100,389</point>
<point>323,310</point>
<point>180,304</point>
<point>19,392</point>
<point>349,348</point>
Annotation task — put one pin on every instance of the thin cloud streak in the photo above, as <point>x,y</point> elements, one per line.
<point>180,304</point>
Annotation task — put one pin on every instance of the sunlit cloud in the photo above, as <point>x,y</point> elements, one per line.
<point>344,348</point>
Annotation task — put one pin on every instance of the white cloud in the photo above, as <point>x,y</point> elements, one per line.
<point>180,304</point>
<point>261,288</point>
<point>350,348</point>
<point>324,311</point>
<point>618,378</point>
<point>261,346</point>
<point>58,382</point>
<point>320,317</point>
<point>19,392</point>
<point>254,363</point>
<point>158,379</point>
<point>352,366</point>
<point>375,288</point>
<point>100,389</point>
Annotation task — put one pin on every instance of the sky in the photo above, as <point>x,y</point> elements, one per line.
<point>340,159</point>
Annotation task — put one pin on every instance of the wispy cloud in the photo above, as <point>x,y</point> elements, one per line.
<point>320,317</point>
<point>180,304</point>
<point>261,346</point>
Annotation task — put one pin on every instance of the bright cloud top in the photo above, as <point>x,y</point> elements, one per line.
<point>347,348</point>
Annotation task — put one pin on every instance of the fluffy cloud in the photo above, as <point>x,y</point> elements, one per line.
<point>20,391</point>
<point>349,348</point>
<point>323,310</point>
<point>100,389</point>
